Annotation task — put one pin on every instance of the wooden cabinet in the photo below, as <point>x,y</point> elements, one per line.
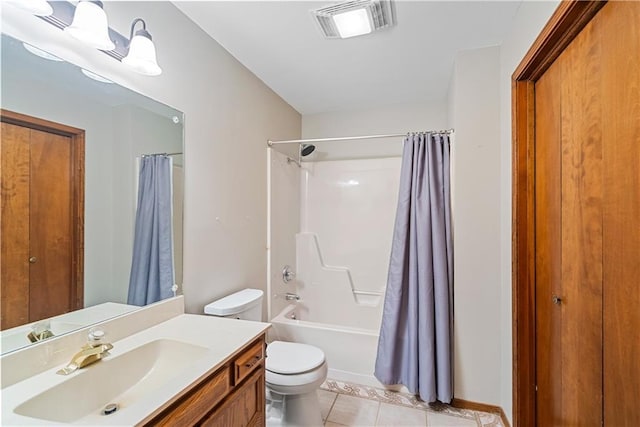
<point>244,408</point>
<point>232,396</point>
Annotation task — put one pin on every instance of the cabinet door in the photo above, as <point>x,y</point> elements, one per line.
<point>245,407</point>
<point>198,402</point>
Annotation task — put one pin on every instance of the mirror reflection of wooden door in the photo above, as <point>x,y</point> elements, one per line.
<point>41,269</point>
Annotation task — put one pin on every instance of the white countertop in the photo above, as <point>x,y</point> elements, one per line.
<point>222,337</point>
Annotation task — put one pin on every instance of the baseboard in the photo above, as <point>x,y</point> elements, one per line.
<point>475,406</point>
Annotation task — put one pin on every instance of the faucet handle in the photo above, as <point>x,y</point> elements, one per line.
<point>95,336</point>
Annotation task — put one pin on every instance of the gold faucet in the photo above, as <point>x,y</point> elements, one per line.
<point>40,331</point>
<point>93,351</point>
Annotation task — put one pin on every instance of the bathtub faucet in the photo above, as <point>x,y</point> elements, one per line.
<point>291,297</point>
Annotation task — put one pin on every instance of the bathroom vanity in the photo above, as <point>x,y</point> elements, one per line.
<point>232,395</point>
<point>165,368</point>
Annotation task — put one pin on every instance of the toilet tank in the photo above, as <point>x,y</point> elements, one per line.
<point>245,304</point>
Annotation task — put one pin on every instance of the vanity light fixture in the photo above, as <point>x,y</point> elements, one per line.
<point>354,18</point>
<point>34,7</point>
<point>87,22</point>
<point>90,25</point>
<point>142,52</point>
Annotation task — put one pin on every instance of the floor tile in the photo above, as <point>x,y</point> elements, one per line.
<point>326,399</point>
<point>330,424</point>
<point>353,411</point>
<point>440,420</point>
<point>394,415</point>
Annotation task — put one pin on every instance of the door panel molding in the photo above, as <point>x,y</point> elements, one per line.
<point>567,21</point>
<point>77,173</point>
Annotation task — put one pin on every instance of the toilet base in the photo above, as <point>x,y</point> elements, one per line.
<point>293,410</point>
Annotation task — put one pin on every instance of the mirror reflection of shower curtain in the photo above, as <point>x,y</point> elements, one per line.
<point>415,345</point>
<point>152,274</point>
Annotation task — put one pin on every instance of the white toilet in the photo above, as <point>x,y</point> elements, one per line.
<point>293,371</point>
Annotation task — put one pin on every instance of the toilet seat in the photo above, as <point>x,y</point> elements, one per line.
<point>290,358</point>
<point>294,368</point>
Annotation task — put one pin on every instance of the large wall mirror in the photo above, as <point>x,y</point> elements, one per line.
<point>120,129</point>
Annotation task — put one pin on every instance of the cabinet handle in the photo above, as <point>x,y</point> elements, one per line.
<point>556,300</point>
<point>33,260</point>
<point>253,362</point>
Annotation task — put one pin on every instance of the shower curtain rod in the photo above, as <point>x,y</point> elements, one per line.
<point>162,154</point>
<point>351,138</point>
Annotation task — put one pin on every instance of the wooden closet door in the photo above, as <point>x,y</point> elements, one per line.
<point>42,219</point>
<point>587,190</point>
<point>569,237</point>
<point>50,226</point>
<point>548,159</point>
<point>621,220</point>
<point>14,219</point>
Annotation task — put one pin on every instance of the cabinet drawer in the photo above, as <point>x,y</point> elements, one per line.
<point>248,361</point>
<point>199,401</point>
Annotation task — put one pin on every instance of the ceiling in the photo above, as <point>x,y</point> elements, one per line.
<point>410,62</point>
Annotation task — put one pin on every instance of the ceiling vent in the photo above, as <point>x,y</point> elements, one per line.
<point>354,18</point>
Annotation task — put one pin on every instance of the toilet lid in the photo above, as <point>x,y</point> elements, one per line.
<point>293,358</point>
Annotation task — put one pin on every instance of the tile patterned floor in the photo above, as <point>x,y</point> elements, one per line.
<point>347,404</point>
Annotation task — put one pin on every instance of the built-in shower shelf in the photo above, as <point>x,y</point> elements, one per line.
<point>313,270</point>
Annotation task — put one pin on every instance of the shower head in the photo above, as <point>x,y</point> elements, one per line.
<point>306,149</point>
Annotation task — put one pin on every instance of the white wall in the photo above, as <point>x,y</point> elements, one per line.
<point>399,118</point>
<point>229,115</point>
<point>529,21</point>
<point>476,225</point>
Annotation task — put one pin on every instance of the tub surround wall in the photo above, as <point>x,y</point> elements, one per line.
<point>350,205</point>
<point>347,214</point>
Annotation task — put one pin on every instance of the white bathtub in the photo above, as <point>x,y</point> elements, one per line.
<point>350,352</point>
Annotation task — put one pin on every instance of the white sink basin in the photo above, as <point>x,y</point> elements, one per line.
<point>121,380</point>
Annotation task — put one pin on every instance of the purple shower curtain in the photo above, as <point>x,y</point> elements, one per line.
<point>151,275</point>
<point>415,345</point>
